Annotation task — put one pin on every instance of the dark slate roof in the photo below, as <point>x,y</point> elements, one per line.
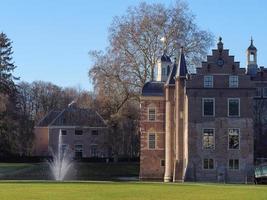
<point>73,116</point>
<point>165,58</point>
<point>153,88</point>
<point>171,77</point>
<point>181,68</point>
<point>49,118</point>
<point>252,47</point>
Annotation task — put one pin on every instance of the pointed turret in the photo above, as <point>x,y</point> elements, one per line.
<point>181,68</point>
<point>163,67</point>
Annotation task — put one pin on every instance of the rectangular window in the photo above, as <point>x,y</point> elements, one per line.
<point>162,163</point>
<point>93,150</point>
<point>264,92</point>
<point>233,107</point>
<point>163,73</point>
<point>208,81</point>
<point>151,114</point>
<point>208,106</point>
<point>94,132</point>
<point>208,163</point>
<point>152,141</point>
<point>78,132</point>
<point>234,164</point>
<point>233,81</point>
<point>208,139</point>
<point>78,151</point>
<point>258,92</point>
<point>63,132</point>
<point>233,138</point>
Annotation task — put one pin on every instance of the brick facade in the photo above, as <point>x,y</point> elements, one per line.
<point>180,122</point>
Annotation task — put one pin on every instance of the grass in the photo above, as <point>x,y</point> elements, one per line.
<point>127,191</point>
<point>80,171</point>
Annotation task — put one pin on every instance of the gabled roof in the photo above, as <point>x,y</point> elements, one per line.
<point>181,68</point>
<point>73,116</point>
<point>49,118</point>
<point>153,88</point>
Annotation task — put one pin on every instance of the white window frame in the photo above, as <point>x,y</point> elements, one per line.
<point>203,138</point>
<point>148,141</point>
<point>233,163</point>
<point>207,98</point>
<point>82,150</point>
<point>203,160</point>
<point>239,135</point>
<point>233,80</point>
<point>148,115</point>
<point>206,83</point>
<point>228,101</point>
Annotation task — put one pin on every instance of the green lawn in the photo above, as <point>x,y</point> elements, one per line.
<point>127,191</point>
<point>79,171</point>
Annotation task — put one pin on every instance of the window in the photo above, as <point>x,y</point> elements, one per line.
<point>233,164</point>
<point>163,73</point>
<point>264,92</point>
<point>63,132</point>
<point>63,148</point>
<point>233,81</point>
<point>233,138</point>
<point>95,132</point>
<point>151,114</point>
<point>93,150</point>
<point>208,163</point>
<point>162,163</point>
<point>151,141</point>
<point>78,151</point>
<point>78,132</point>
<point>208,139</point>
<point>208,106</point>
<point>258,92</point>
<point>208,81</point>
<point>233,107</point>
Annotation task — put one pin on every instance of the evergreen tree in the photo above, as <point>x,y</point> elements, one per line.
<point>8,111</point>
<point>6,65</point>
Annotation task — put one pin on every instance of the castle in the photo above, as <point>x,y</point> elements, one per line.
<point>199,126</point>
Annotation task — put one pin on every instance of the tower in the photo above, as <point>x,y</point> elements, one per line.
<point>163,68</point>
<point>252,65</point>
<point>180,119</point>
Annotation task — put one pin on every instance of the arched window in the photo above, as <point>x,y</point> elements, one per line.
<point>252,57</point>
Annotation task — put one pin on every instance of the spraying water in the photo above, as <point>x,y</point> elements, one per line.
<point>62,161</point>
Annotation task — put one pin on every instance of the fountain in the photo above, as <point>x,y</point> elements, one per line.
<point>62,161</point>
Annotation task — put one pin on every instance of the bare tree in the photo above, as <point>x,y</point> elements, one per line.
<point>120,72</point>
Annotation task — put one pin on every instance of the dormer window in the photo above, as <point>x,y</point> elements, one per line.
<point>208,81</point>
<point>163,72</point>
<point>233,81</point>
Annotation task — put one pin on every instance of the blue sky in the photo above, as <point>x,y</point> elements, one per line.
<point>52,38</point>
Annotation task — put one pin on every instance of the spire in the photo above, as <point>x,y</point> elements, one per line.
<point>252,47</point>
<point>182,68</point>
